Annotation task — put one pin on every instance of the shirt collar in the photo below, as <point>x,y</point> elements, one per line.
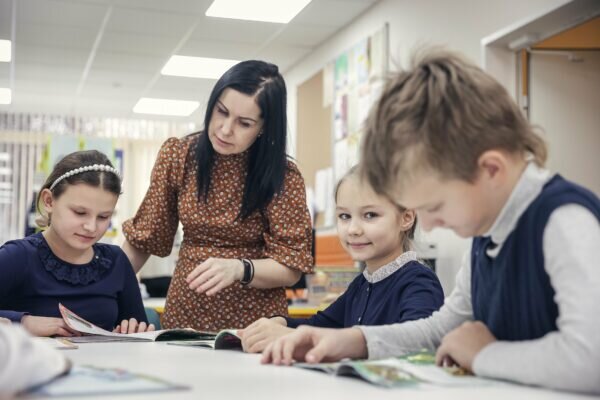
<point>390,268</point>
<point>528,188</point>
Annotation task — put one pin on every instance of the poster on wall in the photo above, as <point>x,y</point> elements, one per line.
<point>341,72</point>
<point>361,63</point>
<point>340,115</point>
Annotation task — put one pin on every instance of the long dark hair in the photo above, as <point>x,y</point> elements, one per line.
<point>267,159</point>
<point>103,179</point>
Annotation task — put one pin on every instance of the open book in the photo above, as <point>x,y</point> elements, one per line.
<point>411,369</point>
<point>93,333</point>
<point>226,339</point>
<point>89,381</point>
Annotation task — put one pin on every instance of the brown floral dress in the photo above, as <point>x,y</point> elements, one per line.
<point>210,229</point>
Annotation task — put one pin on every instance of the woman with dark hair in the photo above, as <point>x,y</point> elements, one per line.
<point>247,230</point>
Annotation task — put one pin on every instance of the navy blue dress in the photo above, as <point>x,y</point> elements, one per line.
<point>409,293</point>
<point>33,281</point>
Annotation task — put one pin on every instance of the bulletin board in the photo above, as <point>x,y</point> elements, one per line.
<point>332,107</point>
<point>357,79</point>
<point>357,83</point>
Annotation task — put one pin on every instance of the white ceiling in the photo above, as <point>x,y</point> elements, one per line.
<point>55,40</point>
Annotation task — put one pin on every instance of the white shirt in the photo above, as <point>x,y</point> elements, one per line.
<point>24,362</point>
<point>566,359</point>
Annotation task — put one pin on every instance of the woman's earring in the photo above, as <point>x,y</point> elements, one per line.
<point>260,133</point>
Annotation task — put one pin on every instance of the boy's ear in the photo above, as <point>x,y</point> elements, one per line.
<point>407,220</point>
<point>492,164</point>
<point>47,199</point>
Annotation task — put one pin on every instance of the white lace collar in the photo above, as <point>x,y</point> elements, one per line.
<point>390,268</point>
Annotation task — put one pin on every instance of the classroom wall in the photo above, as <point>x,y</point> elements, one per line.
<point>564,101</point>
<point>459,24</point>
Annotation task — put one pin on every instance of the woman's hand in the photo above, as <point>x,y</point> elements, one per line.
<point>132,326</point>
<point>215,274</point>
<point>262,332</point>
<point>47,326</point>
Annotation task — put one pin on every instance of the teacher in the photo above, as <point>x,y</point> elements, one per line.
<point>246,226</point>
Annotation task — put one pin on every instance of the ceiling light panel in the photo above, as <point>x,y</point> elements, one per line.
<point>5,96</point>
<point>5,50</point>
<point>279,11</point>
<point>197,67</point>
<point>179,108</point>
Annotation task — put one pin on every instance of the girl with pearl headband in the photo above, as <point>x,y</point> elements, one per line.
<point>65,263</point>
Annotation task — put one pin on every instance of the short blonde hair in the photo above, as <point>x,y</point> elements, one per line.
<point>442,114</point>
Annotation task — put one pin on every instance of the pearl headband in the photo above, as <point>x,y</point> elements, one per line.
<point>95,167</point>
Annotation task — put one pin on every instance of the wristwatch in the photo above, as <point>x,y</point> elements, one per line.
<point>248,271</point>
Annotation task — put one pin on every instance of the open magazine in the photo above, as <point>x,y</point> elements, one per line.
<point>88,381</point>
<point>411,369</point>
<point>224,340</point>
<point>93,333</point>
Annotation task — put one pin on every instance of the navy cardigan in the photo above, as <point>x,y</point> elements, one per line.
<point>33,281</point>
<point>411,292</point>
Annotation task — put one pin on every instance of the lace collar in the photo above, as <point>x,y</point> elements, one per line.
<point>390,268</point>
<point>82,274</point>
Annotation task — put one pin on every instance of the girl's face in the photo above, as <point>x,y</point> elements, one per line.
<point>235,123</point>
<point>80,215</point>
<point>370,227</point>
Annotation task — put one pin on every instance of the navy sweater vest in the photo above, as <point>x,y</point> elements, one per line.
<point>511,293</point>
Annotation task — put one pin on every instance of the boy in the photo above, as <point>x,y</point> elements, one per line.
<point>447,140</point>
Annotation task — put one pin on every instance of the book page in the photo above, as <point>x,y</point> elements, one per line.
<point>79,324</point>
<point>210,344</point>
<point>87,381</point>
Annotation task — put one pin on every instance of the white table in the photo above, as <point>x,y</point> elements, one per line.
<point>226,374</point>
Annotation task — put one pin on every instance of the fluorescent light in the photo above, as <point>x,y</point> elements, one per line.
<point>5,96</point>
<point>5,171</point>
<point>181,108</point>
<point>280,11</point>
<point>6,185</point>
<point>4,157</point>
<point>5,51</point>
<point>197,67</point>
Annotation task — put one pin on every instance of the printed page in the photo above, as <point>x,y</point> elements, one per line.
<point>210,344</point>
<point>228,339</point>
<point>88,381</point>
<point>98,334</point>
<point>429,373</point>
<point>79,324</point>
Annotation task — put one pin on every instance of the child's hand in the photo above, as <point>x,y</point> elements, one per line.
<point>215,274</point>
<point>132,326</point>
<point>5,321</point>
<point>462,345</point>
<point>262,332</point>
<point>47,326</point>
<point>315,345</point>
